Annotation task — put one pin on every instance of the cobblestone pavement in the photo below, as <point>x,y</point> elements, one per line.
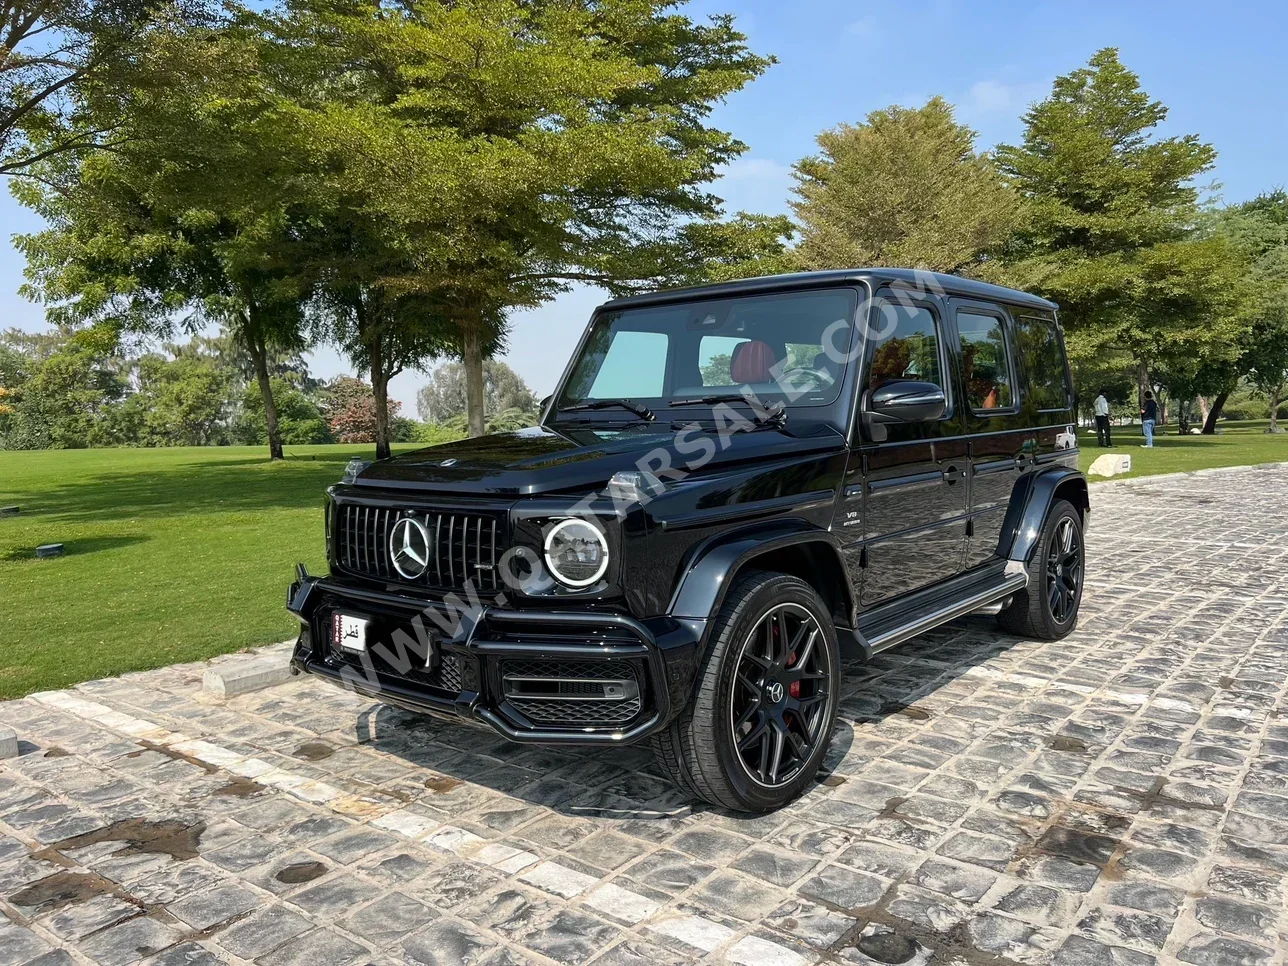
<point>1120,797</point>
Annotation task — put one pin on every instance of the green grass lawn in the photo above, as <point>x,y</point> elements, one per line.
<point>1241,444</point>
<point>171,555</point>
<point>181,554</point>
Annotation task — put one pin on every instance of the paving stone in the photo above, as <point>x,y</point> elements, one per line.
<point>844,888</point>
<point>321,947</point>
<point>204,909</point>
<point>19,945</point>
<point>1237,917</point>
<point>773,866</point>
<point>446,942</point>
<point>129,942</point>
<point>570,937</point>
<point>389,918</point>
<point>1209,950</point>
<point>263,932</point>
<point>739,896</point>
<point>1080,951</point>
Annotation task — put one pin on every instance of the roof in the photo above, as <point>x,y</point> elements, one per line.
<point>932,281</point>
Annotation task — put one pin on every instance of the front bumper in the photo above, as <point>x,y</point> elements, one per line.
<point>476,649</point>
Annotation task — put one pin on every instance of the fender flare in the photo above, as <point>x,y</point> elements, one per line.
<point>714,564</point>
<point>1030,502</point>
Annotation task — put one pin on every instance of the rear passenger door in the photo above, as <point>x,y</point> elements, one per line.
<point>914,507</point>
<point>1001,437</point>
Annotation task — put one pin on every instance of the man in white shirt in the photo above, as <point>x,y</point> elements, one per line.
<point>1102,421</point>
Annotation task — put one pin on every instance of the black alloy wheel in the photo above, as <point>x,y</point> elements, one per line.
<point>778,708</point>
<point>1064,570</point>
<point>765,697</point>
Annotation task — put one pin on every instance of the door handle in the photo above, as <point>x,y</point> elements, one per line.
<point>952,474</point>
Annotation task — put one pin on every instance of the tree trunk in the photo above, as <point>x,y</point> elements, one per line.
<point>472,354</point>
<point>1142,383</point>
<point>1203,408</point>
<point>259,354</point>
<point>1213,414</point>
<point>1274,409</point>
<point>380,389</point>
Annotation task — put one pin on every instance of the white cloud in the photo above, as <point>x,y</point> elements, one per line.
<point>994,96</point>
<point>863,27</point>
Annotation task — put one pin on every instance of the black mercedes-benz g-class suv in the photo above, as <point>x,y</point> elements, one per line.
<point>727,481</point>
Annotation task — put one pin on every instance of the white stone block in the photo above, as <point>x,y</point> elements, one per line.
<point>8,743</point>
<point>232,678</point>
<point>1111,464</point>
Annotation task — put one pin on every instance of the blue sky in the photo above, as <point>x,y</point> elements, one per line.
<point>1218,67</point>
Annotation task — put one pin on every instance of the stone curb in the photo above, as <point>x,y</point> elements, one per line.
<point>234,678</point>
<point>1209,471</point>
<point>8,743</point>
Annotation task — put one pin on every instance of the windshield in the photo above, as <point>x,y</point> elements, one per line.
<point>788,349</point>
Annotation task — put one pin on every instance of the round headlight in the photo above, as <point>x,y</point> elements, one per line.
<point>576,553</point>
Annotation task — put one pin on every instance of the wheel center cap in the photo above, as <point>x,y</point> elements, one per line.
<point>774,692</point>
<point>1059,571</point>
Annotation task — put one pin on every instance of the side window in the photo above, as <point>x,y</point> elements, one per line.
<point>1038,345</point>
<point>633,366</point>
<point>906,345</point>
<point>986,367</point>
<point>715,355</point>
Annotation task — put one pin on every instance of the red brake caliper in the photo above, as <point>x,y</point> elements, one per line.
<point>794,689</point>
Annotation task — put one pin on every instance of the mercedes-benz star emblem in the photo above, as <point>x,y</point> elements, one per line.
<point>450,461</point>
<point>774,692</point>
<point>409,547</point>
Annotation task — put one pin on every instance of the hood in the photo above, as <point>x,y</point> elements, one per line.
<point>546,460</point>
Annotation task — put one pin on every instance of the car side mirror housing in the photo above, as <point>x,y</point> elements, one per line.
<point>901,401</point>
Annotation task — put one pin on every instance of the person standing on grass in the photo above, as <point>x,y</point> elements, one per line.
<point>1102,421</point>
<point>1148,417</point>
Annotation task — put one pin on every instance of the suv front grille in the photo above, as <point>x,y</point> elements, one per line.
<point>573,692</point>
<point>463,546</point>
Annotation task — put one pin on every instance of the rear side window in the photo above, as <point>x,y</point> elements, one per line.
<point>985,362</point>
<point>1038,344</point>
<point>906,347</point>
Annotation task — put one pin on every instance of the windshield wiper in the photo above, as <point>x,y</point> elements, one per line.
<point>643,412</point>
<point>774,416</point>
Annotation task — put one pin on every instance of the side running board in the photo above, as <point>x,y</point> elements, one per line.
<point>883,637</point>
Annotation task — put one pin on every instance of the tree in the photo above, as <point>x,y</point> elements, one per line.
<point>61,401</point>
<point>300,420</point>
<point>50,50</point>
<point>350,408</point>
<point>189,212</point>
<point>503,149</point>
<point>443,397</point>
<point>181,399</point>
<point>904,188</point>
<point>1110,230</point>
<point>1259,230</point>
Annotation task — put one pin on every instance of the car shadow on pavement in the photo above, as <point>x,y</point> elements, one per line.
<point>466,768</point>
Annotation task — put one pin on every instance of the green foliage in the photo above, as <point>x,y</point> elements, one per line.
<point>443,395</point>
<point>299,417</point>
<point>61,403</point>
<point>904,188</point>
<point>1109,232</point>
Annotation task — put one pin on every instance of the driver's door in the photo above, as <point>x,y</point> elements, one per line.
<point>912,530</point>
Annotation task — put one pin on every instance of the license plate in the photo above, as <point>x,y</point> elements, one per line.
<point>348,632</point>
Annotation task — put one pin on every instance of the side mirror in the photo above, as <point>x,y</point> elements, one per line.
<point>901,401</point>
<point>545,402</point>
<point>908,402</point>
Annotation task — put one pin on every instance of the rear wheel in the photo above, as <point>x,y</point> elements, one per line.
<point>1047,608</point>
<point>765,704</point>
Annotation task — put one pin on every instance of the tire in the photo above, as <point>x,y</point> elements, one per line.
<point>798,700</point>
<point>1032,612</point>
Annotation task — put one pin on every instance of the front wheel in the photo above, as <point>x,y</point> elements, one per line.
<point>1047,608</point>
<point>765,704</point>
